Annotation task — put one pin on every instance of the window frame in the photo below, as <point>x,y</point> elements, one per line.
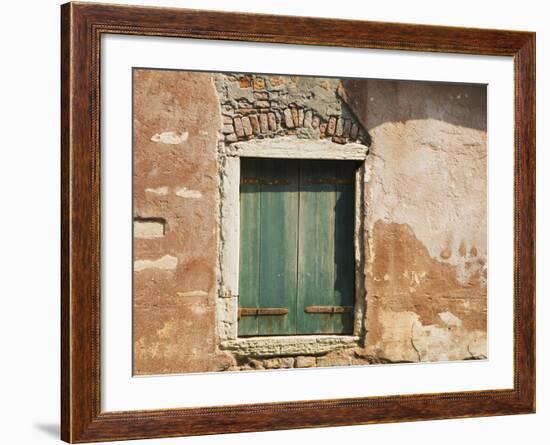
<point>227,305</point>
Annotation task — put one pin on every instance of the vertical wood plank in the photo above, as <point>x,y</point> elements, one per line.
<point>344,257</point>
<point>250,232</point>
<point>316,246</point>
<point>278,244</point>
<point>325,254</point>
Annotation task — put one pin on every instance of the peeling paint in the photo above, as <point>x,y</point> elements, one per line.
<point>167,262</point>
<point>450,319</point>
<point>158,190</point>
<point>170,137</point>
<point>193,293</point>
<point>148,229</point>
<point>184,192</point>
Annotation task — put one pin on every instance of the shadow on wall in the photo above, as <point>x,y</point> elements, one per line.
<point>376,102</point>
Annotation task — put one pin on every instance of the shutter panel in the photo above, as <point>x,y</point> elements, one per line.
<point>269,237</point>
<point>278,245</point>
<point>325,256</point>
<point>249,257</point>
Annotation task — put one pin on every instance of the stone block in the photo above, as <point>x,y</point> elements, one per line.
<point>331,126</point>
<point>262,104</point>
<point>259,83</point>
<point>245,82</point>
<point>289,121</point>
<point>305,361</point>
<point>278,363</point>
<point>301,117</point>
<point>295,117</point>
<point>238,124</point>
<point>247,127</point>
<point>315,122</point>
<point>308,118</point>
<point>272,121</point>
<point>339,127</point>
<point>264,126</point>
<point>254,122</point>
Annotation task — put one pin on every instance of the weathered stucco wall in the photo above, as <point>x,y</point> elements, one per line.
<point>427,219</point>
<point>176,123</point>
<point>425,222</point>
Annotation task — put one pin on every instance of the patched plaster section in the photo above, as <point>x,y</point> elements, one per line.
<point>170,137</point>
<point>167,262</point>
<point>455,230</point>
<point>405,338</point>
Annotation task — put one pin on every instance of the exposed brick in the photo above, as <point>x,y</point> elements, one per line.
<point>339,127</point>
<point>238,124</point>
<point>347,128</point>
<point>259,83</point>
<point>301,117</point>
<point>323,129</point>
<point>231,138</point>
<point>275,81</point>
<point>247,127</point>
<point>245,82</point>
<point>308,118</point>
<point>262,104</point>
<point>294,112</point>
<point>354,131</point>
<point>255,124</point>
<point>289,122</point>
<point>331,126</point>
<point>272,121</point>
<point>315,122</point>
<point>264,127</point>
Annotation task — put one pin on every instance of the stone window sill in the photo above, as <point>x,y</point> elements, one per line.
<point>281,346</point>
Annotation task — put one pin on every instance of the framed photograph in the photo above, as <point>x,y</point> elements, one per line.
<point>275,222</point>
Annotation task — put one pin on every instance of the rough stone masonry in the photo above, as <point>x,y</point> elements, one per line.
<point>425,190</point>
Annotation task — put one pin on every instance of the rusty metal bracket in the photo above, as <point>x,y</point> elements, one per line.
<point>253,311</point>
<point>328,309</point>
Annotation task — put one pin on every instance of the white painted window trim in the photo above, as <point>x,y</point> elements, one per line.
<point>227,304</point>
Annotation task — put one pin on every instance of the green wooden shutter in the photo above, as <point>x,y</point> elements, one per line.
<point>296,249</point>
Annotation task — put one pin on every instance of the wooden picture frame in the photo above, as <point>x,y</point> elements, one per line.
<point>82,26</point>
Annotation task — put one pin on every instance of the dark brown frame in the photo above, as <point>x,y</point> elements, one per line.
<point>81,28</point>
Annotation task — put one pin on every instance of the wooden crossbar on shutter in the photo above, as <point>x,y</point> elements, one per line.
<point>296,249</point>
